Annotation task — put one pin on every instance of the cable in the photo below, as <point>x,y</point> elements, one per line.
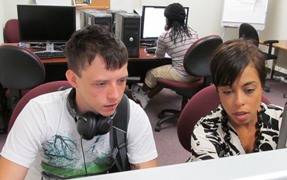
<point>84,157</point>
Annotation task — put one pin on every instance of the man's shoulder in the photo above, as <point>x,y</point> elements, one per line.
<point>137,114</point>
<point>56,96</point>
<point>134,107</point>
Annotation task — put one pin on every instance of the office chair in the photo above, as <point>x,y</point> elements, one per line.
<point>11,31</point>
<point>196,63</point>
<point>39,90</point>
<point>198,106</point>
<point>20,70</point>
<point>247,31</point>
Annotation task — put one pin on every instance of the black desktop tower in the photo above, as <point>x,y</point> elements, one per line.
<point>128,30</point>
<point>113,13</point>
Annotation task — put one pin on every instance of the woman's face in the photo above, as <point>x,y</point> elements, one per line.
<point>242,100</point>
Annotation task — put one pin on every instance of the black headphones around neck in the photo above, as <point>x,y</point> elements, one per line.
<point>89,124</point>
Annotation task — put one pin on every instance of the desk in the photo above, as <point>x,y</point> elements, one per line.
<point>137,66</point>
<point>144,56</point>
<point>255,166</point>
<point>281,45</point>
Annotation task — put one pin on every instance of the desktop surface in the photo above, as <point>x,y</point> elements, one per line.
<point>281,45</point>
<point>137,66</point>
<point>144,57</point>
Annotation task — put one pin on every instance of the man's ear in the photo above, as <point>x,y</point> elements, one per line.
<point>72,78</point>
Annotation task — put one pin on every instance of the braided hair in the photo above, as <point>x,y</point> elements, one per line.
<point>175,15</point>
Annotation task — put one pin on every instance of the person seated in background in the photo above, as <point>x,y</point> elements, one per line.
<point>175,41</point>
<point>242,123</point>
<point>45,141</point>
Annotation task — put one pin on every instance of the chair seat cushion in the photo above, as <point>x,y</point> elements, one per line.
<point>186,89</point>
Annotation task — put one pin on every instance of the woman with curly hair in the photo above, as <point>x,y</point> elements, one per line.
<point>175,41</point>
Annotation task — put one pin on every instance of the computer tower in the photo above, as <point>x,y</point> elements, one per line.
<point>128,30</point>
<point>101,17</point>
<point>83,17</point>
<point>113,13</point>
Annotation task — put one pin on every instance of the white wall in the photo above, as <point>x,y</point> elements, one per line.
<point>204,17</point>
<point>9,11</point>
<point>127,5</point>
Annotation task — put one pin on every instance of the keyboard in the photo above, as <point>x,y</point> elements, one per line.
<point>148,43</point>
<point>150,50</point>
<point>50,54</point>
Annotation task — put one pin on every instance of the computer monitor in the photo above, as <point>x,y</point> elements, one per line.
<point>282,140</point>
<point>153,22</point>
<point>46,24</point>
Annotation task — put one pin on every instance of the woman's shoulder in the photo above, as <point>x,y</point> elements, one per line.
<point>272,108</point>
<point>271,113</point>
<point>211,120</point>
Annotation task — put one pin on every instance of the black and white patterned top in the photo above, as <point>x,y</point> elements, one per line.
<point>207,140</point>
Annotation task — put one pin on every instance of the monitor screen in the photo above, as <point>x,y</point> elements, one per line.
<point>46,23</point>
<point>153,22</point>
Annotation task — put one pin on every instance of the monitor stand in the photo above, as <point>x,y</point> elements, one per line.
<point>50,47</point>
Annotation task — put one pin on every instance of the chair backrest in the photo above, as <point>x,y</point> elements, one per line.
<point>197,57</point>
<point>248,32</point>
<point>19,69</point>
<point>198,106</point>
<point>196,63</point>
<point>39,90</point>
<point>11,31</point>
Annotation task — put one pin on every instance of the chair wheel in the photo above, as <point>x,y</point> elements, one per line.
<point>266,89</point>
<point>157,129</point>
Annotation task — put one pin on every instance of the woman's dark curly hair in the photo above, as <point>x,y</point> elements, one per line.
<point>176,16</point>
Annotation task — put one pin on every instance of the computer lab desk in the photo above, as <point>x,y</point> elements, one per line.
<point>281,45</point>
<point>137,66</point>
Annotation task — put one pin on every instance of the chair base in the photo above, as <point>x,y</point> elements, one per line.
<point>267,88</point>
<point>133,80</point>
<point>163,118</point>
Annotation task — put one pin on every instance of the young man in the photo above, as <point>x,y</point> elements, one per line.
<point>46,141</point>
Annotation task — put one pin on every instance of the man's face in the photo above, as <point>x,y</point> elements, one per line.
<point>98,89</point>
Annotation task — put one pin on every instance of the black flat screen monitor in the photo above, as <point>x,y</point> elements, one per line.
<point>46,23</point>
<point>153,22</point>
